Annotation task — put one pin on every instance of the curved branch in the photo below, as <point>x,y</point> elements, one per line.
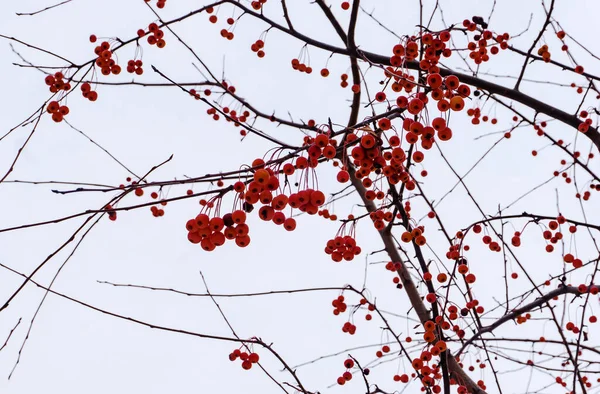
<point>519,311</point>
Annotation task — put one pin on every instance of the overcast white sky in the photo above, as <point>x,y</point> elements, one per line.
<point>73,349</point>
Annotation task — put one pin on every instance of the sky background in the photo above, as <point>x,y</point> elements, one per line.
<point>73,349</point>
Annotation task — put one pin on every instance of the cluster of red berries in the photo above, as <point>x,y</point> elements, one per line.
<point>260,189</point>
<point>307,200</point>
<point>585,125</point>
<point>415,234</point>
<point>570,259</point>
<point>402,81</point>
<point>572,327</point>
<point>105,61</point>
<point>370,308</point>
<point>453,315</point>
<point>88,93</point>
<point>552,237</point>
<point>227,34</point>
<point>232,115</point>
<point>327,215</point>
<point>493,245</point>
<point>429,373</point>
<point>450,93</point>
<point>479,47</point>
<point>401,53</point>
<point>303,68</point>
<point>367,149</point>
<point>135,66</point>
<point>344,80</point>
<point>320,146</point>
<point>157,36</point>
<point>544,53</point>
<point>56,82</point>
<point>453,312</point>
<point>58,111</point>
<point>112,214</point>
<point>384,350</point>
<point>475,113</point>
<point>139,192</point>
<point>248,359</point>
<point>226,86</point>
<point>401,378</point>
<point>453,252</point>
<point>212,18</point>
<point>257,48</point>
<point>156,211</point>
<point>213,112</point>
<point>474,304</point>
<point>346,376</point>
<point>213,232</point>
<point>522,319</point>
<point>339,306</point>
<point>393,268</point>
<point>195,94</point>
<point>342,248</point>
<point>367,155</point>
<point>349,328</point>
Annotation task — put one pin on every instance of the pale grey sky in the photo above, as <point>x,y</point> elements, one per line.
<point>73,349</point>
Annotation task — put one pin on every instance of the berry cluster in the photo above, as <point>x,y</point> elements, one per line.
<point>479,47</point>
<point>58,111</point>
<point>307,200</point>
<point>135,66</point>
<point>346,376</point>
<point>156,211</point>
<point>248,359</point>
<point>320,146</point>
<point>112,214</point>
<point>87,92</point>
<point>157,36</point>
<point>416,235</point>
<point>343,77</point>
<point>475,113</point>
<point>342,248</point>
<point>370,308</point>
<point>212,18</point>
<point>385,349</point>
<point>349,328</point>
<point>105,61</point>
<point>339,306</point>
<point>257,48</point>
<point>544,53</point>
<point>56,82</point>
<point>303,68</point>
<point>213,232</point>
<point>227,34</point>
<point>327,215</point>
<point>585,124</point>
